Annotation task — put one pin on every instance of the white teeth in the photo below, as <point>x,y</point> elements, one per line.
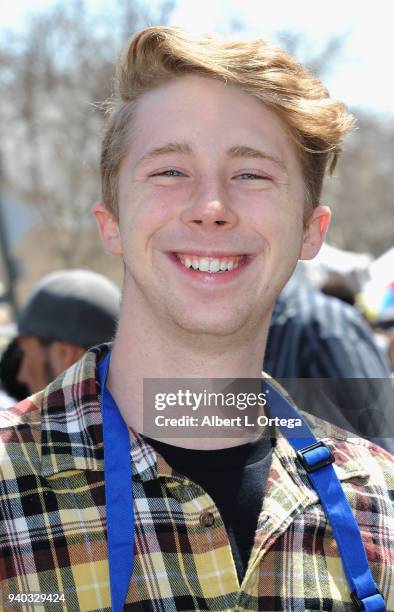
<point>214,266</point>
<point>204,265</point>
<point>210,264</point>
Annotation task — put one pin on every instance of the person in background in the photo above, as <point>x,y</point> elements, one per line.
<point>313,335</point>
<point>67,312</point>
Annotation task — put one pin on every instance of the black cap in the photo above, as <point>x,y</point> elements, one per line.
<point>77,306</point>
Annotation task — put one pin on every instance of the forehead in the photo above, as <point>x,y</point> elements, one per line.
<point>29,343</point>
<point>207,113</point>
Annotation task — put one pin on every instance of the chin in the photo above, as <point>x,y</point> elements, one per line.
<point>214,326</point>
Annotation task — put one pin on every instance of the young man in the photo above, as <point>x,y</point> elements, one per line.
<point>212,168</point>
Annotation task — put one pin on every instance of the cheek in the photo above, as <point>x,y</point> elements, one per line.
<point>37,364</point>
<point>55,360</point>
<point>279,222</point>
<point>140,221</point>
<point>266,215</point>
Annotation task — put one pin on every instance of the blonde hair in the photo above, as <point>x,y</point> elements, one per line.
<point>156,55</point>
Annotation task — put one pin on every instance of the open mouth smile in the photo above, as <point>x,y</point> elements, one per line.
<point>211,268</point>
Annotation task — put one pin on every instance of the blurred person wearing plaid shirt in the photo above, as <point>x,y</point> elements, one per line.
<point>212,167</point>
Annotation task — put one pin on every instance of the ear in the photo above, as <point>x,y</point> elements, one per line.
<point>315,231</point>
<point>108,228</point>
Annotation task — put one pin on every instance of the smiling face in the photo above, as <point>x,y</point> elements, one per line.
<point>210,201</point>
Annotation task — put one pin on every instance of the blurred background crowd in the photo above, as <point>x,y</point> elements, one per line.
<point>336,317</point>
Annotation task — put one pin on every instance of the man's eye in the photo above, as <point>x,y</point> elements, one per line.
<point>170,172</point>
<point>250,175</point>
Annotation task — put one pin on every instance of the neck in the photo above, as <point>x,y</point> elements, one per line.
<point>159,349</point>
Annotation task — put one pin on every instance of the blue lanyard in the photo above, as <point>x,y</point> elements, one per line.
<point>118,494</point>
<point>315,457</point>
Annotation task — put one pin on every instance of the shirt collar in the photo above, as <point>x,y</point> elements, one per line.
<point>71,420</point>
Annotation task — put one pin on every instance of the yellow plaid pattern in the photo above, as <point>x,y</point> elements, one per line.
<point>53,523</point>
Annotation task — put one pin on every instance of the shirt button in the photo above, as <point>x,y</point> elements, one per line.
<point>207,519</point>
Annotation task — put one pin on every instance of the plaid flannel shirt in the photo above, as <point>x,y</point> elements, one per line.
<point>53,521</point>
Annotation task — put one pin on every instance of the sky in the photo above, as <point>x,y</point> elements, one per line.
<point>362,76</point>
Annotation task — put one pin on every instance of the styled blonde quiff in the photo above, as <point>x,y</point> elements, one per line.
<point>157,55</point>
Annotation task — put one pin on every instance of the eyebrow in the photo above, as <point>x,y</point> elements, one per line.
<point>171,147</point>
<point>234,152</point>
<point>251,153</point>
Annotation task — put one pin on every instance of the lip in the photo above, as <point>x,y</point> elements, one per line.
<point>216,254</point>
<point>210,278</point>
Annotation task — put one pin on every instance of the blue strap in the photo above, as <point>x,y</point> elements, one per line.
<point>316,459</point>
<point>118,494</point>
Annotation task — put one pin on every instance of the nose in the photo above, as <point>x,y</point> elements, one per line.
<point>210,208</point>
<point>22,374</point>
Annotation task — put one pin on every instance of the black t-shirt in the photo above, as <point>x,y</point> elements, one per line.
<point>235,479</point>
